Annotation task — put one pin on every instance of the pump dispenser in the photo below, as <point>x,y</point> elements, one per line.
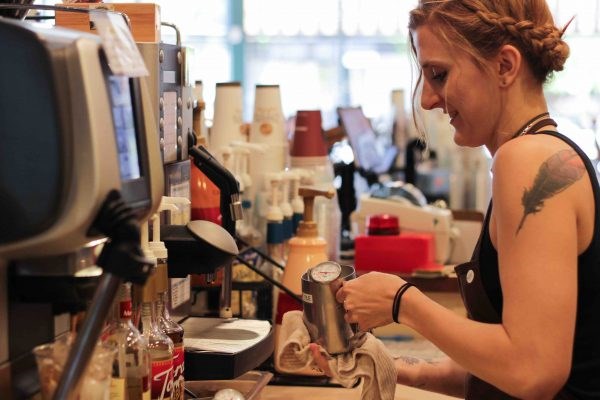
<point>275,220</point>
<point>145,243</point>
<point>297,203</point>
<point>137,290</point>
<point>307,249</point>
<point>287,210</point>
<point>241,154</point>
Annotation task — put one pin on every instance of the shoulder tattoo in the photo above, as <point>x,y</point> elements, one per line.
<point>556,174</point>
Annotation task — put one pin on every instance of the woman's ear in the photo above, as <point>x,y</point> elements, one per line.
<point>508,62</point>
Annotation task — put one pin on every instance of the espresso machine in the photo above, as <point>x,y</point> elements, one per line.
<point>87,159</point>
<point>80,169</point>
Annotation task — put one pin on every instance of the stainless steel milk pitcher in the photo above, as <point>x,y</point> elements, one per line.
<point>323,315</point>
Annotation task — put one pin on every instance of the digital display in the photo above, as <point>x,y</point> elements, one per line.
<point>125,129</point>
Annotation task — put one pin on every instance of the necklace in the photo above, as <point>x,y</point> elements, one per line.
<point>540,118</point>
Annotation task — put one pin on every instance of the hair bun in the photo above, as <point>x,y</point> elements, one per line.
<point>547,48</point>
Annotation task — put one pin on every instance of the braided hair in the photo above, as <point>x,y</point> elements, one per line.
<point>482,27</point>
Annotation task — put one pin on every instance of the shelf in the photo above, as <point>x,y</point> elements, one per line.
<point>225,349</point>
<point>249,384</point>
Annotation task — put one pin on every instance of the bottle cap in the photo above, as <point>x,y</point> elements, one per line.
<point>382,225</point>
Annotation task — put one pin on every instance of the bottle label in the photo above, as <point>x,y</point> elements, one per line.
<point>125,309</point>
<point>162,379</point>
<point>146,395</point>
<point>117,389</point>
<point>138,388</point>
<point>178,379</point>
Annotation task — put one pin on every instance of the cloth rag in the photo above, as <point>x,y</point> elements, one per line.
<point>369,360</point>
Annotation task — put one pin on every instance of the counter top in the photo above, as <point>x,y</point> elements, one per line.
<point>318,393</point>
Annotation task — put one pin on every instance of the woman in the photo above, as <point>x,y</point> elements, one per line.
<point>531,291</point>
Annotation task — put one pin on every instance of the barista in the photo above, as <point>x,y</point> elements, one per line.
<point>531,289</point>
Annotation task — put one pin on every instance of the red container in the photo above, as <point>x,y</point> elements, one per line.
<point>399,254</point>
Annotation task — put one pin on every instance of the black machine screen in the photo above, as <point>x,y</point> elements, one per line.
<point>125,129</point>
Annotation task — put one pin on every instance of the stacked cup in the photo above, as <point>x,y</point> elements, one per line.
<point>228,124</point>
<point>268,128</point>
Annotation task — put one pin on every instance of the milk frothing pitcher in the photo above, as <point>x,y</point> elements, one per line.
<point>323,315</point>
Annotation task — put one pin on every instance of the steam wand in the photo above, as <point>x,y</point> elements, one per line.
<point>122,260</point>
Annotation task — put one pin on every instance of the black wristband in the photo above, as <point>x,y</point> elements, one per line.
<point>397,299</point>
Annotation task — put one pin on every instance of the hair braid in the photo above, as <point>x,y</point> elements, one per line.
<point>541,43</point>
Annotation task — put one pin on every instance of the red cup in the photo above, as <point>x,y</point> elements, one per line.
<point>308,135</point>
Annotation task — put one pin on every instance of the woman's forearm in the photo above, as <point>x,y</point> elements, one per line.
<point>439,376</point>
<point>515,368</point>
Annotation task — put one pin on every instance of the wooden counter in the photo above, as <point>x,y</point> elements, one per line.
<point>316,393</point>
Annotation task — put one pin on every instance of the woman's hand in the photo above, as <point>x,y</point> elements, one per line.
<point>320,359</point>
<point>368,299</point>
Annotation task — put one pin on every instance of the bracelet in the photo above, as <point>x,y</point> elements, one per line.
<point>397,298</point>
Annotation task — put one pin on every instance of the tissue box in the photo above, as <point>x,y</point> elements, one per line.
<point>144,18</point>
<point>400,254</point>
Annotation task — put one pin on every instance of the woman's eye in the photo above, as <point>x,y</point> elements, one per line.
<point>438,75</point>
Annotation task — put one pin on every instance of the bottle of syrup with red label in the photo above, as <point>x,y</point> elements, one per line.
<point>160,346</point>
<point>172,329</point>
<point>131,367</point>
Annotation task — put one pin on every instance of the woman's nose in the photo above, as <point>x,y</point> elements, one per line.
<point>430,99</point>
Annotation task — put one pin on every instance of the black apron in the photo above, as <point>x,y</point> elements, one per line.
<point>479,308</point>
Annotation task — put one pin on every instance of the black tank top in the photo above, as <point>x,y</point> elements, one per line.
<point>584,379</point>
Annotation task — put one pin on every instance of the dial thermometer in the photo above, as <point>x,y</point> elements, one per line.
<point>326,272</point>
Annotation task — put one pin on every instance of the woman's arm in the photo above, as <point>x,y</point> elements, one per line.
<point>440,376</point>
<point>529,354</point>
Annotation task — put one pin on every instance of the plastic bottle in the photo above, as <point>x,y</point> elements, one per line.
<point>307,248</point>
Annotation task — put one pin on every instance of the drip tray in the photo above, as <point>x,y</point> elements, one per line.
<point>217,348</point>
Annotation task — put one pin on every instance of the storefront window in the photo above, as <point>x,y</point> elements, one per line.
<point>330,53</point>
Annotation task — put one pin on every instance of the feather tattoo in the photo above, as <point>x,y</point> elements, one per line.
<point>555,175</point>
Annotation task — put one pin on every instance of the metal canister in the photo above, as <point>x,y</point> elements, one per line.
<point>323,315</point>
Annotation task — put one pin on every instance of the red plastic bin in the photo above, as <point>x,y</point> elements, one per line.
<point>400,254</point>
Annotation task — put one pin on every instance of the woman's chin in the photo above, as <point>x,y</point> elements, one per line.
<point>464,140</point>
<point>459,138</point>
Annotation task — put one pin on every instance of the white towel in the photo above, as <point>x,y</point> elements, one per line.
<point>369,361</point>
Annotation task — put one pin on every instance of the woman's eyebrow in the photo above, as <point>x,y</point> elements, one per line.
<point>433,63</point>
